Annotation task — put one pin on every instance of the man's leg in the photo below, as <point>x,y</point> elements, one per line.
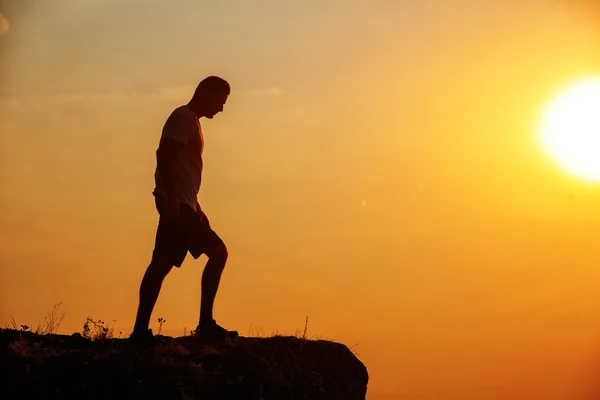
<point>203,240</point>
<point>150,288</point>
<point>217,257</point>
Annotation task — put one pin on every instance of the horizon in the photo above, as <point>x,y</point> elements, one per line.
<point>378,168</point>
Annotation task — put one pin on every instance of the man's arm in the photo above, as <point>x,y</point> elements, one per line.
<point>175,136</point>
<point>165,161</point>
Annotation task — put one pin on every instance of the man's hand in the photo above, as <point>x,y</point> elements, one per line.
<point>203,216</point>
<point>172,207</point>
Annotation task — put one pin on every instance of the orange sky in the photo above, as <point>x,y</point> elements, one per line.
<point>377,168</point>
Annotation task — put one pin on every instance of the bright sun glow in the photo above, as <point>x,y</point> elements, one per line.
<point>571,129</point>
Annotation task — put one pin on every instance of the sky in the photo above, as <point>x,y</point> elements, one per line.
<point>377,169</point>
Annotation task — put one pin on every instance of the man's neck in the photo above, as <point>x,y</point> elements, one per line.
<point>195,109</point>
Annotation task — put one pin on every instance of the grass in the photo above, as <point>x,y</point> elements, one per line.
<point>50,325</point>
<point>95,330</point>
<point>301,334</point>
<point>99,330</point>
<point>92,329</point>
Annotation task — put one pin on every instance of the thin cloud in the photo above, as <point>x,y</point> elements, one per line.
<point>176,93</point>
<point>272,91</point>
<point>180,93</point>
<point>4,24</point>
<point>66,98</point>
<point>63,98</point>
<point>185,92</point>
<point>9,102</point>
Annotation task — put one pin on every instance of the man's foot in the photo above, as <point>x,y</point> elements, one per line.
<point>142,337</point>
<point>211,331</point>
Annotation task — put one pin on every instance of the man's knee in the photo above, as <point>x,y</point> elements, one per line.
<point>217,252</point>
<point>160,265</point>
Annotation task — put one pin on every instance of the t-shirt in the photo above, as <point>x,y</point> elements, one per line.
<point>184,127</point>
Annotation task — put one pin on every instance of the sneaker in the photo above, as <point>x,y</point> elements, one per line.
<point>211,331</point>
<point>142,337</point>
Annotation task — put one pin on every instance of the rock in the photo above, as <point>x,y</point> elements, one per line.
<point>278,367</point>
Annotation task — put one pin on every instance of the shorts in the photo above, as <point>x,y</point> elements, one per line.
<point>190,231</point>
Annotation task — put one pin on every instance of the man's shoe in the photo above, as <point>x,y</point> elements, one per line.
<point>211,331</point>
<point>142,337</point>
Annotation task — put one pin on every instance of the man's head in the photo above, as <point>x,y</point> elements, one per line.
<point>210,96</point>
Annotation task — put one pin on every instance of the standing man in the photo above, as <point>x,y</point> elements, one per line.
<point>182,225</point>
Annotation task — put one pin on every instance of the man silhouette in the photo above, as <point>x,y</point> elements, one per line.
<point>182,225</point>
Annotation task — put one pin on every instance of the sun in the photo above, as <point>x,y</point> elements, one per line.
<point>571,129</point>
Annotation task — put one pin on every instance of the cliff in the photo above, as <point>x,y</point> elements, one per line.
<point>72,367</point>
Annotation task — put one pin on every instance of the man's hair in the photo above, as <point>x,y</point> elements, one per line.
<point>211,85</point>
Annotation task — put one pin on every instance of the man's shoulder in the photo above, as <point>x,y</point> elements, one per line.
<point>181,118</point>
<point>183,112</point>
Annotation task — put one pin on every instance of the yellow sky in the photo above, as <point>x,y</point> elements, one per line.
<point>377,169</point>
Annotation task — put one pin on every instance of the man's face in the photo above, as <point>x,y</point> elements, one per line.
<point>215,104</point>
